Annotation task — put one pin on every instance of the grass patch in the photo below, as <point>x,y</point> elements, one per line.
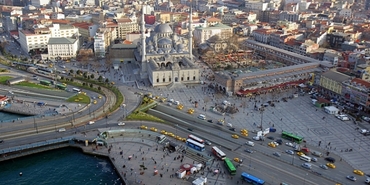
<point>33,85</point>
<point>3,79</point>
<point>2,70</point>
<point>79,98</point>
<point>144,117</point>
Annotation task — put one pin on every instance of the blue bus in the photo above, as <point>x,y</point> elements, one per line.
<point>252,179</point>
<point>195,145</point>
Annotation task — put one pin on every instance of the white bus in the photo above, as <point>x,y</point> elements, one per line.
<point>220,154</point>
<point>195,138</point>
<point>76,90</point>
<point>305,158</point>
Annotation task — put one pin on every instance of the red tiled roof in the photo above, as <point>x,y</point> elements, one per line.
<point>361,82</point>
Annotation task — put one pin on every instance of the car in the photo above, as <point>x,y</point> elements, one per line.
<point>359,172</point>
<point>121,124</point>
<point>91,122</point>
<point>289,144</point>
<point>367,181</point>
<point>279,141</point>
<point>300,153</point>
<point>277,154</point>
<point>235,136</point>
<point>1,141</point>
<point>290,152</point>
<point>277,144</point>
<point>170,134</point>
<point>270,137</point>
<point>330,159</point>
<point>238,160</point>
<point>244,134</point>
<point>202,117</point>
<point>248,151</point>
<point>62,130</point>
<point>323,166</point>
<point>153,129</point>
<point>210,121</point>
<point>232,129</point>
<point>343,117</point>
<point>307,165</point>
<point>352,178</point>
<point>163,132</point>
<point>143,127</point>
<point>207,142</point>
<point>271,144</point>
<point>330,165</point>
<point>313,159</point>
<point>190,129</point>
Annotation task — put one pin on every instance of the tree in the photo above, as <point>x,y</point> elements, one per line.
<point>92,76</point>
<point>85,74</point>
<point>71,71</point>
<point>99,88</point>
<point>62,77</point>
<point>91,85</point>
<point>100,78</point>
<point>107,80</point>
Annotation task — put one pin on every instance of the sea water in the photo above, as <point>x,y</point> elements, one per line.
<point>66,166</point>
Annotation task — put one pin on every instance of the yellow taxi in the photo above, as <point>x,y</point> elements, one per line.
<point>237,160</point>
<point>143,127</point>
<point>99,97</point>
<point>180,107</point>
<point>244,134</point>
<point>235,136</point>
<point>300,153</point>
<point>190,111</point>
<point>243,131</point>
<point>112,83</point>
<point>163,132</point>
<point>183,140</point>
<point>359,172</point>
<point>178,138</point>
<point>64,84</point>
<point>330,165</point>
<point>153,129</point>
<point>271,144</point>
<point>163,100</point>
<point>95,102</point>
<point>170,134</point>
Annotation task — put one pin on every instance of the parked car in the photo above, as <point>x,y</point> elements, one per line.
<point>359,172</point>
<point>270,137</point>
<point>232,129</point>
<point>279,141</point>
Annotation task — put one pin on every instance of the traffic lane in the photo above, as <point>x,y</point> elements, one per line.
<point>336,174</point>
<point>285,172</point>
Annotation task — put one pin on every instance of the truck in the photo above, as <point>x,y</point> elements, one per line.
<point>161,138</point>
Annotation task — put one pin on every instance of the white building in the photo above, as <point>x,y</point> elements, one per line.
<point>345,12</point>
<point>256,5</point>
<point>99,45</point>
<point>62,48</point>
<point>38,3</point>
<point>202,34</point>
<point>39,36</point>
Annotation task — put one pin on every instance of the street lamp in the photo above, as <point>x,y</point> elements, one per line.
<point>262,110</point>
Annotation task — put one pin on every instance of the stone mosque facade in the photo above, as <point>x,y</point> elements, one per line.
<point>165,57</point>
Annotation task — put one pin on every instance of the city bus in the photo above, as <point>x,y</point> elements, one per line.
<point>76,90</point>
<point>291,137</point>
<point>60,86</point>
<point>195,145</point>
<point>230,166</point>
<point>45,82</point>
<point>195,138</point>
<point>218,153</point>
<point>252,179</point>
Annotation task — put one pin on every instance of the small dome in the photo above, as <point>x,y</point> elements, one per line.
<point>164,41</point>
<point>173,51</point>
<point>163,28</point>
<point>160,51</point>
<point>150,47</point>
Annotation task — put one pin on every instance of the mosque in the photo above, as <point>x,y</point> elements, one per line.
<point>165,57</point>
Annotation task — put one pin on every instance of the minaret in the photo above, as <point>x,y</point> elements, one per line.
<point>143,44</point>
<point>191,34</point>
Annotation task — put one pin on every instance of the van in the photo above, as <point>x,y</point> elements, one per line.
<point>202,117</point>
<point>250,143</point>
<point>316,153</point>
<point>305,158</point>
<point>62,130</point>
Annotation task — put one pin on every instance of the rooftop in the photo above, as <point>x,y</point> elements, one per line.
<point>333,75</point>
<point>61,40</point>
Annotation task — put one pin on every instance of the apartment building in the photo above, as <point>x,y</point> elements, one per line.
<point>202,34</point>
<point>256,5</point>
<point>62,48</point>
<point>38,37</point>
<point>331,83</point>
<point>356,91</point>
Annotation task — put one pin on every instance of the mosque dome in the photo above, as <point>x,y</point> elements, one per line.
<point>164,41</point>
<point>163,28</point>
